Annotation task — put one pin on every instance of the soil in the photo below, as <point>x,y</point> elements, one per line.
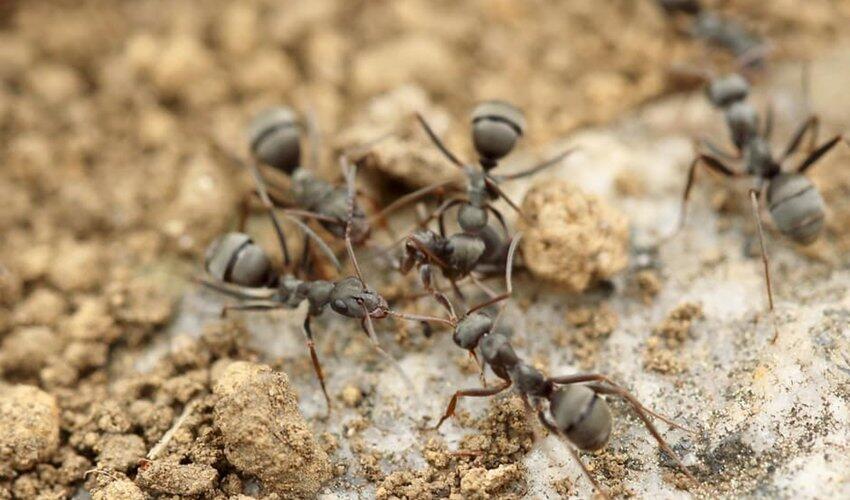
<point>113,119</point>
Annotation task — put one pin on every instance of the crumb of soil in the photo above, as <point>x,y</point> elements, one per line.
<point>648,285</point>
<point>171,478</point>
<point>571,238</point>
<point>29,427</point>
<point>662,351</point>
<point>264,433</point>
<point>592,326</point>
<point>121,489</point>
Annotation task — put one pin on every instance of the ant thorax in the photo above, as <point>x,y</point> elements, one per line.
<point>759,160</point>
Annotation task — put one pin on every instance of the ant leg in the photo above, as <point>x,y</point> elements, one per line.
<point>713,164</point>
<point>718,151</point>
<point>441,212</point>
<point>810,125</point>
<point>642,413</point>
<point>425,276</point>
<point>410,198</point>
<point>369,328</point>
<point>458,292</point>
<point>816,155</point>
<point>754,198</point>
<point>541,416</point>
<point>767,132</point>
<point>610,387</point>
<point>304,265</point>
<point>509,265</point>
<point>501,219</point>
<point>254,305</point>
<point>316,239</point>
<point>470,393</point>
<point>495,187</point>
<point>438,142</point>
<point>551,162</point>
<point>236,291</point>
<point>269,206</point>
<point>317,367</point>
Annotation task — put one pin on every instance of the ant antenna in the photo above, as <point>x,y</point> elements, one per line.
<point>438,142</point>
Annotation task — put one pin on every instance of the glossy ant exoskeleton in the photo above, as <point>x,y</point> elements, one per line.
<point>241,269</point>
<point>568,406</point>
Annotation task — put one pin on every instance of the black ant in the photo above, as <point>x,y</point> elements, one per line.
<point>795,204</point>
<point>274,139</point>
<point>728,34</point>
<point>241,269</point>
<point>496,127</point>
<point>575,409</point>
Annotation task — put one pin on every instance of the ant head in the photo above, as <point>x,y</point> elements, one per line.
<point>274,137</point>
<point>582,416</point>
<point>235,258</point>
<point>472,219</point>
<point>726,90</point>
<point>351,298</point>
<point>470,329</point>
<point>496,126</point>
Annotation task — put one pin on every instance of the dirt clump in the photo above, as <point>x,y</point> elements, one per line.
<point>592,326</point>
<point>661,353</point>
<point>263,432</point>
<point>571,238</point>
<point>171,478</point>
<point>403,150</point>
<point>118,489</point>
<point>29,427</point>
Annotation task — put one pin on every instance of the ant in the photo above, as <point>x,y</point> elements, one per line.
<point>727,34</point>
<point>794,203</point>
<point>274,139</point>
<point>575,409</point>
<point>241,269</point>
<point>496,127</point>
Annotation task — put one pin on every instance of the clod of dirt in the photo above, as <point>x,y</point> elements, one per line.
<point>171,478</point>
<point>264,433</point>
<point>26,350</point>
<point>120,452</point>
<point>480,483</point>
<point>407,154</point>
<point>29,427</point>
<point>662,347</point>
<point>122,489</point>
<point>571,238</point>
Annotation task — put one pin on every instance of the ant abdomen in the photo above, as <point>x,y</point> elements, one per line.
<point>274,136</point>
<point>796,207</point>
<point>235,258</point>
<point>496,126</point>
<point>582,416</point>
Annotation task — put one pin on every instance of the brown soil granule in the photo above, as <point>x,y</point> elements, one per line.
<point>661,353</point>
<point>29,428</point>
<point>592,326</point>
<point>171,478</point>
<point>570,238</point>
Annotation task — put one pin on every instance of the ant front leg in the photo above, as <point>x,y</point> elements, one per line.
<point>714,164</point>
<point>470,393</point>
<point>425,276</point>
<point>314,357</point>
<point>812,126</point>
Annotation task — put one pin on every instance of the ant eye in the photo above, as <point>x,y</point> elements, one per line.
<point>340,305</point>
